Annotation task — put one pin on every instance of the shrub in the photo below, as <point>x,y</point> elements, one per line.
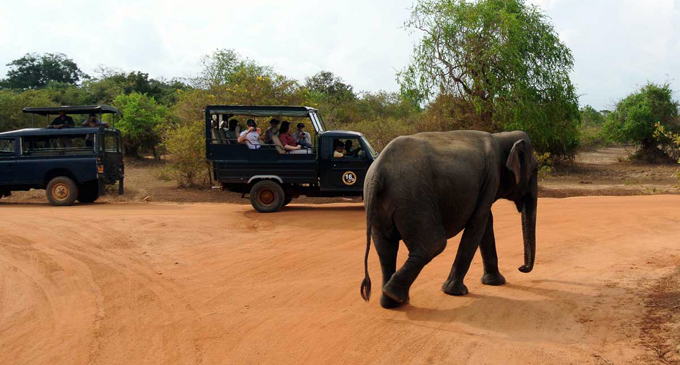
<point>545,164</point>
<point>380,132</point>
<point>12,103</point>
<point>635,116</point>
<point>186,163</point>
<point>142,122</point>
<point>671,141</point>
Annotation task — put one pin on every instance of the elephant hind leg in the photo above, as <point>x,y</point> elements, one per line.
<point>387,248</point>
<point>424,243</point>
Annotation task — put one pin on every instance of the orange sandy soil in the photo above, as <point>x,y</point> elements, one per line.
<point>174,283</point>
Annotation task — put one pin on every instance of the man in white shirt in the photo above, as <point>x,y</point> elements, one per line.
<point>251,136</point>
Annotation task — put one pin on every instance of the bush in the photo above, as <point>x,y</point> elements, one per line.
<point>142,122</point>
<point>592,134</point>
<point>186,163</point>
<point>635,116</point>
<point>545,164</point>
<point>671,141</point>
<point>12,103</point>
<point>381,132</point>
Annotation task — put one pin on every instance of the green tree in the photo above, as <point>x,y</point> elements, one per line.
<point>34,71</point>
<point>592,117</point>
<point>228,78</point>
<point>504,59</point>
<point>635,116</point>
<point>143,122</point>
<point>111,83</point>
<point>327,86</point>
<point>12,104</point>
<point>592,129</point>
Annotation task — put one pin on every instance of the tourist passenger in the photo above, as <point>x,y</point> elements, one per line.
<point>251,136</point>
<point>272,131</point>
<point>302,137</point>
<point>62,121</point>
<point>349,152</point>
<point>287,140</point>
<point>92,121</point>
<point>339,149</point>
<point>231,132</point>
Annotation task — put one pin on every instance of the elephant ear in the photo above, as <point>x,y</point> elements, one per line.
<point>514,163</point>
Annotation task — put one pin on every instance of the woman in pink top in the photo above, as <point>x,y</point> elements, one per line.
<point>286,138</point>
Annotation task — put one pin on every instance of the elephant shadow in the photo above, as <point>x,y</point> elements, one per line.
<point>541,312</point>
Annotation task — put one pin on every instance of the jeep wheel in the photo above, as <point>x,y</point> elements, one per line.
<point>267,196</point>
<point>62,191</point>
<point>89,193</point>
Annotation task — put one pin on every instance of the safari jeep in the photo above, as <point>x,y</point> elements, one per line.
<point>273,176</point>
<point>69,163</point>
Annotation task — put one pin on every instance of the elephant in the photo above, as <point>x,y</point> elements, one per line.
<point>426,188</point>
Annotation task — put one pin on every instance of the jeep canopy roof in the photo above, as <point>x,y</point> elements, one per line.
<point>56,132</point>
<point>79,109</point>
<point>268,111</point>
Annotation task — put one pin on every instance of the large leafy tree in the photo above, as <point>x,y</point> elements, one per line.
<point>34,71</point>
<point>635,116</point>
<point>503,59</point>
<point>228,78</point>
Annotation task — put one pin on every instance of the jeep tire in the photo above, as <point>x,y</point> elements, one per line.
<point>267,196</point>
<point>62,191</point>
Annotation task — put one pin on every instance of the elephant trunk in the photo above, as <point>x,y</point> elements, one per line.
<point>529,232</point>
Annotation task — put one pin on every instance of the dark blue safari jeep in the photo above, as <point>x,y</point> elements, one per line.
<point>332,164</point>
<point>70,163</point>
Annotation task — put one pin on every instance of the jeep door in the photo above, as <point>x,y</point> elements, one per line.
<point>8,160</point>
<point>110,155</point>
<point>344,173</point>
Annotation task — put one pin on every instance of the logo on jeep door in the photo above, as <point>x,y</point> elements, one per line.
<point>349,178</point>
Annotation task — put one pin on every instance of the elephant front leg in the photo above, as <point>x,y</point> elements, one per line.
<point>474,231</point>
<point>489,256</point>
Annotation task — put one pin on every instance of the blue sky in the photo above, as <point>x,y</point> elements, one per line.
<point>618,45</point>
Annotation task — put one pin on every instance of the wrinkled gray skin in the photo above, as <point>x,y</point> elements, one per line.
<point>426,188</point>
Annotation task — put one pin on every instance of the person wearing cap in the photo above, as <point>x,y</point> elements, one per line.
<point>62,121</point>
<point>301,137</point>
<point>92,121</point>
<point>251,136</point>
<point>272,131</point>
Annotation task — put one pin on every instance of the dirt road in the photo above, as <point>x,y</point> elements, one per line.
<point>221,284</point>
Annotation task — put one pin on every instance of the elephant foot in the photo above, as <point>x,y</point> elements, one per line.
<point>493,279</point>
<point>388,303</point>
<point>454,288</point>
<point>393,296</point>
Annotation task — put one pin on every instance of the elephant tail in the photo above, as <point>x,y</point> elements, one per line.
<point>366,284</point>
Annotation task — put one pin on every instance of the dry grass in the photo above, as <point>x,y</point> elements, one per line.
<point>660,324</point>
